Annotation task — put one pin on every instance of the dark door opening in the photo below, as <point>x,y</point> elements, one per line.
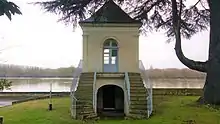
<point>110,101</point>
<point>109,97</point>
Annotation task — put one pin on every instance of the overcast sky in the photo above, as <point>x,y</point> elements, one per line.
<point>36,39</point>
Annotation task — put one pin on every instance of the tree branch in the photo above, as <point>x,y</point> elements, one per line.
<point>195,65</point>
<point>195,4</point>
<point>204,6</point>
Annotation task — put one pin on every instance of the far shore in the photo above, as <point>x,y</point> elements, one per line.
<point>69,77</point>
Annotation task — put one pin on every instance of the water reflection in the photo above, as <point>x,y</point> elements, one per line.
<point>178,83</point>
<point>40,85</point>
<point>63,84</point>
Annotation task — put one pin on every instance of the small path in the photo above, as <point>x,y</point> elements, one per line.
<point>5,103</point>
<point>7,100</point>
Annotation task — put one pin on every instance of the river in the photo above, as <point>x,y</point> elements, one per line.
<point>63,84</point>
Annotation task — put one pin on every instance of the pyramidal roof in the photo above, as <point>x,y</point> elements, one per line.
<point>110,12</point>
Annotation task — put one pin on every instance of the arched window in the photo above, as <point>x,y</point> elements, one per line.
<point>109,43</point>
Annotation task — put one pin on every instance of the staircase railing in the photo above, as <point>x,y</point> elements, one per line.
<point>148,86</point>
<point>73,88</point>
<point>127,87</point>
<point>94,92</point>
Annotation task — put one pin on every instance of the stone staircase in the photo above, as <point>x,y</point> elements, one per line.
<point>138,97</point>
<point>83,94</point>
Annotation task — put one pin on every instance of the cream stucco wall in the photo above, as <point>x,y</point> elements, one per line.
<point>118,82</point>
<point>127,37</point>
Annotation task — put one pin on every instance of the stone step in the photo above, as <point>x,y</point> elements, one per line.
<point>86,116</point>
<point>84,103</point>
<point>114,75</point>
<point>138,91</point>
<point>84,106</point>
<point>139,102</point>
<point>135,78</point>
<point>136,81</point>
<point>84,98</point>
<point>87,91</point>
<point>138,98</point>
<point>134,104</point>
<point>137,116</point>
<point>133,74</point>
<point>86,80</point>
<point>85,112</point>
<point>85,85</point>
<point>137,87</point>
<point>109,78</point>
<point>140,107</point>
<point>137,84</point>
<point>137,111</point>
<point>109,73</point>
<point>141,84</point>
<point>91,116</point>
<point>86,77</point>
<point>87,73</point>
<point>83,94</point>
<point>138,95</point>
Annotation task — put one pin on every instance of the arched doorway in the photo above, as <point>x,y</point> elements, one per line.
<point>110,56</point>
<point>110,101</point>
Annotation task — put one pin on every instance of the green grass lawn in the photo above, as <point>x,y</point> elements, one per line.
<point>168,110</point>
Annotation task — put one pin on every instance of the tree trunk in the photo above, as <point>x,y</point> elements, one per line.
<point>194,65</point>
<point>212,85</point>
